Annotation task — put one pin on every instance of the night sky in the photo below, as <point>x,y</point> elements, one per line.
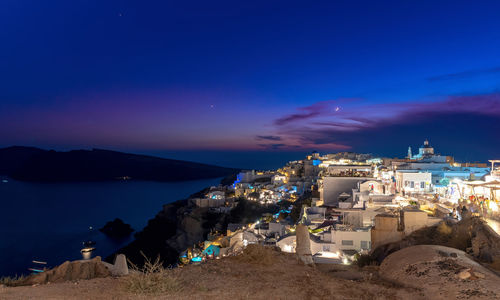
<point>276,76</point>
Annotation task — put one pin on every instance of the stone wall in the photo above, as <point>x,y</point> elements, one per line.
<point>385,230</point>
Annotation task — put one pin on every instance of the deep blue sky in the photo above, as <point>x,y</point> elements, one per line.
<point>165,77</point>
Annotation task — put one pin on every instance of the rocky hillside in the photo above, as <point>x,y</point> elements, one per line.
<point>181,225</point>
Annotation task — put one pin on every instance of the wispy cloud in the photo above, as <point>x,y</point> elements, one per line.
<point>273,146</point>
<point>322,126</point>
<point>268,137</point>
<point>306,113</point>
<point>465,74</point>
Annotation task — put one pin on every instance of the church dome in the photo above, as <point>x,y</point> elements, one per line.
<point>426,144</point>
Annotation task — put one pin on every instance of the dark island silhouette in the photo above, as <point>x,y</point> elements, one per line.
<point>34,164</point>
<point>117,229</point>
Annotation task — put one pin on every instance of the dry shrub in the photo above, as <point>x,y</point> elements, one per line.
<point>495,264</point>
<point>258,254</point>
<point>444,229</point>
<point>152,278</point>
<point>461,237</point>
<point>12,280</point>
<point>364,260</point>
<point>456,236</point>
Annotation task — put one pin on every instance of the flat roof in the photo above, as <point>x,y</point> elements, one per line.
<point>387,215</point>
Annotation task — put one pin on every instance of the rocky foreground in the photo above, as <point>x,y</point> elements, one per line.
<point>443,272</point>
<point>264,273</point>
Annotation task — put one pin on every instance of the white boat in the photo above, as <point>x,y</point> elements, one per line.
<point>87,249</point>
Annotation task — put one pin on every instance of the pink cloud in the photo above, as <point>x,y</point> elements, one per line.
<point>317,125</point>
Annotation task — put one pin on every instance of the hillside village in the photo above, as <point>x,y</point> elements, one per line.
<point>351,203</point>
<point>346,215</point>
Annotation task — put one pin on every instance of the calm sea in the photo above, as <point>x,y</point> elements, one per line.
<point>49,222</point>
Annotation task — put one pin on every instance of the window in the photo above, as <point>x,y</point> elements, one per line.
<point>412,184</point>
<point>365,245</point>
<point>422,185</point>
<point>347,243</point>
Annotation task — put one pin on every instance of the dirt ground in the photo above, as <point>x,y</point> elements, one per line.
<point>439,270</point>
<point>278,276</point>
<point>270,275</point>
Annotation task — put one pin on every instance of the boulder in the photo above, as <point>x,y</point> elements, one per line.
<point>443,277</point>
<point>464,275</point>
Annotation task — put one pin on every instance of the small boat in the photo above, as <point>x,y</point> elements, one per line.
<point>88,247</point>
<point>87,250</point>
<point>89,244</point>
<point>35,270</point>
<point>5,180</point>
<point>39,269</point>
